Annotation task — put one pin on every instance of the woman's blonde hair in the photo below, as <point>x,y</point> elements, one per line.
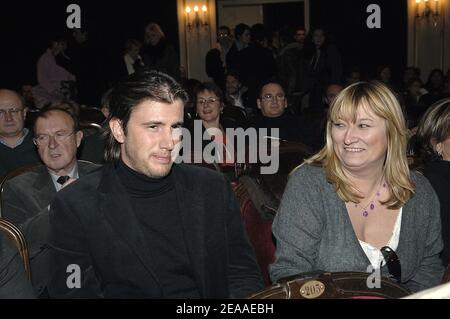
<point>153,27</point>
<point>375,98</point>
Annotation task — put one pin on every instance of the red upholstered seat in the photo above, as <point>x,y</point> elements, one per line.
<point>259,231</point>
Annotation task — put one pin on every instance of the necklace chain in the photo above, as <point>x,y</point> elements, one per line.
<point>371,204</point>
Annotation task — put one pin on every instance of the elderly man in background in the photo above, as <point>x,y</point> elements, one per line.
<point>16,142</point>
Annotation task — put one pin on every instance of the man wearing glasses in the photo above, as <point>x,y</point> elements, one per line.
<point>16,142</point>
<point>215,59</point>
<point>272,103</point>
<point>26,197</point>
<point>57,138</point>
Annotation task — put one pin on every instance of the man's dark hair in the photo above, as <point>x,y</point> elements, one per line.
<point>260,88</point>
<point>240,29</point>
<point>234,73</point>
<point>258,32</point>
<point>143,85</point>
<point>61,107</point>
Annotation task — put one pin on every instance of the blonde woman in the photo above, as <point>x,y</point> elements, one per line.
<point>158,54</point>
<point>433,139</point>
<point>356,201</point>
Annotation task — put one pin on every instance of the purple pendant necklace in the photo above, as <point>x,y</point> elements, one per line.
<point>371,205</point>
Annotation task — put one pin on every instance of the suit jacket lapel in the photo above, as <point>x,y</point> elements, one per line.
<point>44,189</point>
<point>116,206</point>
<point>193,224</point>
<point>85,168</point>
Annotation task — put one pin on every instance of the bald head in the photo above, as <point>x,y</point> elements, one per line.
<point>5,94</point>
<point>12,115</point>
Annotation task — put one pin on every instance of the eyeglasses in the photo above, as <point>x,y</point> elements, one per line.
<point>44,139</point>
<point>270,97</point>
<point>209,100</point>
<point>392,262</point>
<point>10,112</point>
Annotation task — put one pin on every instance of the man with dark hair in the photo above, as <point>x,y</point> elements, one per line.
<point>291,65</point>
<point>26,197</point>
<point>272,103</point>
<point>258,63</point>
<point>16,142</point>
<point>215,59</point>
<point>241,41</point>
<point>313,123</point>
<point>143,227</point>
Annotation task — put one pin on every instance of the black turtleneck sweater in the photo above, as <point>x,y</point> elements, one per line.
<point>155,205</point>
<point>287,124</point>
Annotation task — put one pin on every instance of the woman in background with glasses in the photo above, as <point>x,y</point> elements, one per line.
<point>209,104</point>
<point>356,199</point>
<point>433,141</point>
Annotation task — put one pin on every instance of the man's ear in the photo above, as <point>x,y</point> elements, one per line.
<point>258,102</point>
<point>436,145</point>
<point>25,110</point>
<point>79,136</point>
<point>117,130</point>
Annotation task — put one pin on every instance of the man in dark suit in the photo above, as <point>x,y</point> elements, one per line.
<point>26,197</point>
<point>57,138</point>
<point>142,227</point>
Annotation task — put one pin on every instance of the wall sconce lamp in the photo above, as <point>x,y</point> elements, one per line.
<point>426,11</point>
<point>198,21</point>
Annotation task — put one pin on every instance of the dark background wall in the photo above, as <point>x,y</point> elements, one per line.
<point>360,46</point>
<point>25,27</point>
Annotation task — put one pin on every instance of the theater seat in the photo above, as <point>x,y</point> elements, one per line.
<point>326,285</point>
<point>259,231</point>
<point>446,277</point>
<point>91,115</point>
<point>259,196</point>
<point>15,235</point>
<point>10,175</point>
